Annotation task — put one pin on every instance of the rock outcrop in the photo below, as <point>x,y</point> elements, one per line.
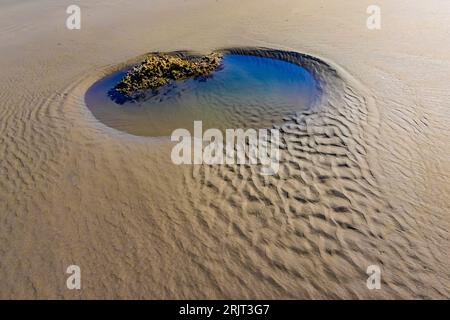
<point>158,70</point>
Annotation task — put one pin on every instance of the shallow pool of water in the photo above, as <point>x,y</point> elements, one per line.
<point>247,92</point>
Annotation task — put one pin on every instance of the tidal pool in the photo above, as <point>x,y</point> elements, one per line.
<point>246,92</point>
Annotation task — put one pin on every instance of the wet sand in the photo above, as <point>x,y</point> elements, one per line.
<point>364,178</point>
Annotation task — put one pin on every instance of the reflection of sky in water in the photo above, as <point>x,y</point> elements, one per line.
<point>248,92</point>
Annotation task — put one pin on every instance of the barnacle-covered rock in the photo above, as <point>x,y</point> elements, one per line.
<point>158,70</point>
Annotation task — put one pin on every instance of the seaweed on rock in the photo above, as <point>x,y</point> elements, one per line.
<point>158,70</point>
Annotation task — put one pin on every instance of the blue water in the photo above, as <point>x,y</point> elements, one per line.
<point>247,92</point>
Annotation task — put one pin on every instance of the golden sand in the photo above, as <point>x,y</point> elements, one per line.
<point>365,180</point>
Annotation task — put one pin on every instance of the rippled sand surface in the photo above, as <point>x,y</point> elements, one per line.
<point>364,177</point>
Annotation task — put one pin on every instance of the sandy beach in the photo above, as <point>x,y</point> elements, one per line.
<point>364,178</point>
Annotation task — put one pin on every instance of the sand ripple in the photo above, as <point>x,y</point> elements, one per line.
<point>76,191</point>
